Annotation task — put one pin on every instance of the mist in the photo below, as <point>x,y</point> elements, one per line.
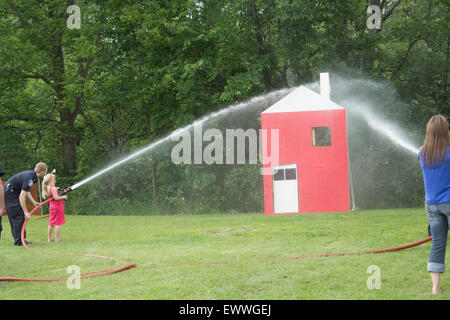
<point>382,161</point>
<point>383,150</point>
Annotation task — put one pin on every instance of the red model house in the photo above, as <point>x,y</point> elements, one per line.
<point>312,170</point>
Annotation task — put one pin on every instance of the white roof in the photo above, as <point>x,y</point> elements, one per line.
<point>302,99</point>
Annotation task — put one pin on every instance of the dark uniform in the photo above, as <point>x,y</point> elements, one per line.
<point>21,181</point>
<point>1,228</point>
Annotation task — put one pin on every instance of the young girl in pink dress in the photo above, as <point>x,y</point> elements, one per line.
<point>57,218</point>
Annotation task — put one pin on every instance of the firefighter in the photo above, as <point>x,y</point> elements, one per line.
<point>17,190</point>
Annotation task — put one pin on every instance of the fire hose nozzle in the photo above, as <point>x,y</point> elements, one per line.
<point>65,191</point>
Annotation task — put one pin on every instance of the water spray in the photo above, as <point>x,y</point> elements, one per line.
<point>236,107</point>
<point>357,96</point>
<point>389,130</point>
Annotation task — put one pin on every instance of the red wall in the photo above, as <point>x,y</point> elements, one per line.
<point>322,171</point>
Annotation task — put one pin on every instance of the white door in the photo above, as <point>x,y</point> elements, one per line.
<point>285,189</point>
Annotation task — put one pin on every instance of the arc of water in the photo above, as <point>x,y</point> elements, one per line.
<point>214,115</point>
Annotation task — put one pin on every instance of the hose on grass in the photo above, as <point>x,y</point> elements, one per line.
<point>82,275</point>
<point>410,245</point>
<point>131,265</point>
<point>407,246</point>
<point>22,234</point>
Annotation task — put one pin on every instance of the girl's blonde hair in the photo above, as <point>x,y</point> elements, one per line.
<point>45,183</point>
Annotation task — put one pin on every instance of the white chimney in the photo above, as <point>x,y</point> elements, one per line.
<point>325,85</point>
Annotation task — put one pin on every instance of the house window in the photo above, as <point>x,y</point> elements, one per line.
<point>278,175</point>
<point>321,136</point>
<point>290,174</point>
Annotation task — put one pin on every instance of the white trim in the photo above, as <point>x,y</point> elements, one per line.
<point>302,99</point>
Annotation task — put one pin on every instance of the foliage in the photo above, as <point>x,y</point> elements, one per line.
<point>137,70</point>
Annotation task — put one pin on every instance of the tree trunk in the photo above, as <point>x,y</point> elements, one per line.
<point>262,49</point>
<point>66,117</point>
<point>68,142</point>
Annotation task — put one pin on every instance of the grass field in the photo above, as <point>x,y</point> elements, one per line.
<point>220,257</point>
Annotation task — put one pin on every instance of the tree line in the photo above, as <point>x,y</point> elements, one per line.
<point>137,70</point>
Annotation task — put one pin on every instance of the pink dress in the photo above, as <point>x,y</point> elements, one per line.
<point>57,217</point>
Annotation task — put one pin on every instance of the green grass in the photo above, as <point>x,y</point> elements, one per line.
<point>163,246</point>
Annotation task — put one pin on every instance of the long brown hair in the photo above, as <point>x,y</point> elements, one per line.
<point>434,148</point>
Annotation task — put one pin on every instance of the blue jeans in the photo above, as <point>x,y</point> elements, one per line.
<point>438,216</point>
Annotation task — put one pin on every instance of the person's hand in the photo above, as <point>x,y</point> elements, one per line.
<point>28,215</point>
<point>1,211</point>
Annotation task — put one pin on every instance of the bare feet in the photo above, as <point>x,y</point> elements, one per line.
<point>437,291</point>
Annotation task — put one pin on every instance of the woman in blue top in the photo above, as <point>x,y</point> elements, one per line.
<point>434,157</point>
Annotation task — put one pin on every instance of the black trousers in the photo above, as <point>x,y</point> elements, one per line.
<point>16,219</point>
<point>1,228</point>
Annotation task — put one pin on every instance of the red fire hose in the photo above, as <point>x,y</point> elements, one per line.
<point>82,275</point>
<point>22,235</point>
<point>131,265</point>
<point>414,244</point>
